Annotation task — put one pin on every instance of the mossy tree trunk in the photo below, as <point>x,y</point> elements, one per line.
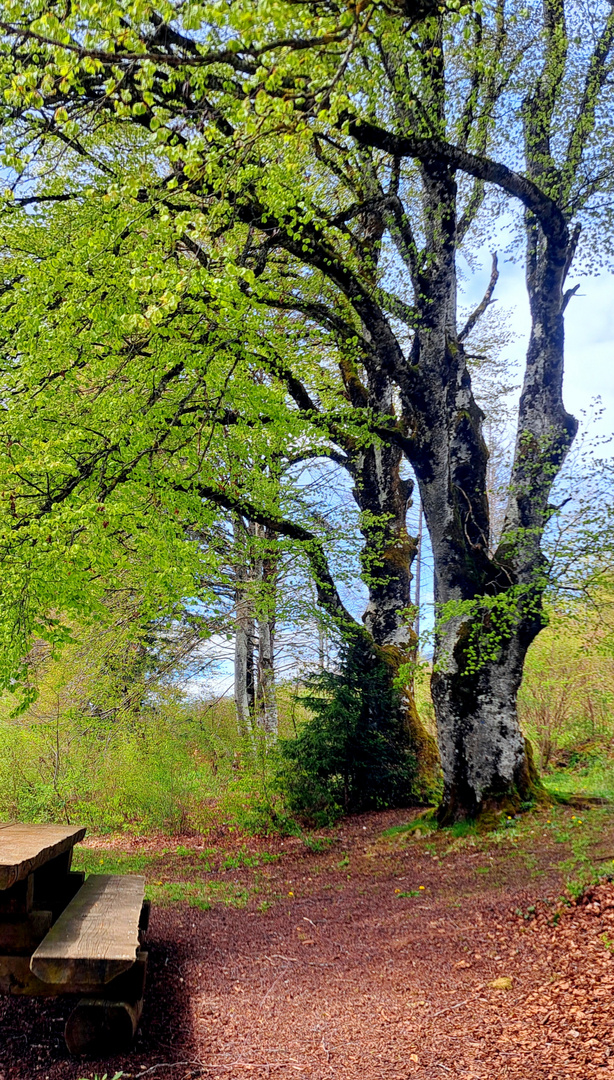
<point>383,497</point>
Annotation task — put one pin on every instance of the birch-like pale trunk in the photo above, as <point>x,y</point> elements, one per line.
<point>266,704</point>
<point>244,631</point>
<point>266,701</point>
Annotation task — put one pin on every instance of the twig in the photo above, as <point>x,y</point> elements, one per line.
<point>274,983</point>
<point>449,1007</point>
<point>244,1065</point>
<point>170,1065</point>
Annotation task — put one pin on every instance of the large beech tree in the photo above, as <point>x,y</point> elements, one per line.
<point>353,151</point>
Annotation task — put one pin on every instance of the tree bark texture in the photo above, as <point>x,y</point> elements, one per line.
<point>255,572</point>
<point>383,498</point>
<point>266,702</point>
<point>479,652</point>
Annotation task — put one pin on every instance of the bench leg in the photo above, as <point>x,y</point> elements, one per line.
<point>102,1027</point>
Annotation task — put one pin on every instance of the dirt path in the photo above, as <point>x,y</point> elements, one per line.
<point>371,959</point>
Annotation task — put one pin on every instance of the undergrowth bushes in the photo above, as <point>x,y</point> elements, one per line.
<point>109,746</point>
<point>108,742</point>
<point>150,774</point>
<point>566,701</point>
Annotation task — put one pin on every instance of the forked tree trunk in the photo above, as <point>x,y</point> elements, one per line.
<point>489,607</point>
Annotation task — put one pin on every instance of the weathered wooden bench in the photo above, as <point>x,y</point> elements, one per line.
<point>85,939</point>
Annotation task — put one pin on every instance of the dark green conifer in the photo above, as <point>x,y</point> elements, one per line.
<point>351,755</point>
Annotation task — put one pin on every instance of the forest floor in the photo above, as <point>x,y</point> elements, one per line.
<point>363,952</point>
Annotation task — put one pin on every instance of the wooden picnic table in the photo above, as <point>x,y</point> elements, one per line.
<point>25,848</point>
<point>61,934</point>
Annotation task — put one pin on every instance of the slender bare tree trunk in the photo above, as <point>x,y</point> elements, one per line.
<point>417,597</point>
<point>244,630</point>
<point>266,703</point>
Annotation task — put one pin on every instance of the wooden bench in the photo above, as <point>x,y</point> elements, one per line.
<point>60,934</point>
<point>96,937</point>
<point>93,948</point>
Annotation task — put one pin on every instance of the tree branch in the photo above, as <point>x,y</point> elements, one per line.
<point>323,315</point>
<point>328,595</point>
<point>428,150</point>
<point>585,120</point>
<point>539,105</point>
<point>484,303</point>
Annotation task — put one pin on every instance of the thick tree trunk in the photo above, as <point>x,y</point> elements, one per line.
<point>485,627</point>
<point>383,497</point>
<point>488,607</point>
<point>484,756</point>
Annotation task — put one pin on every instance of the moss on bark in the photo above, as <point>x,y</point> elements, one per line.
<point>428,781</point>
<point>527,788</point>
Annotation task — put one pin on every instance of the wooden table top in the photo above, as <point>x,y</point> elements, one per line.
<point>23,848</point>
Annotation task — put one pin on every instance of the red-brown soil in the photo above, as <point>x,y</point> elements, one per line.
<point>343,976</point>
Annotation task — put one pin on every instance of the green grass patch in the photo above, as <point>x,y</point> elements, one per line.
<point>199,894</point>
<point>464,828</point>
<point>316,844</point>
<point>422,824</point>
<point>607,941</point>
<point>238,859</point>
<point>110,862</point>
<point>595,780</point>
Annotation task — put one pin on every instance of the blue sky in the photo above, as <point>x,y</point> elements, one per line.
<point>589,333</point>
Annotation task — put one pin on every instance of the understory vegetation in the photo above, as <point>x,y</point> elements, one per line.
<point>566,703</point>
<point>118,746</point>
